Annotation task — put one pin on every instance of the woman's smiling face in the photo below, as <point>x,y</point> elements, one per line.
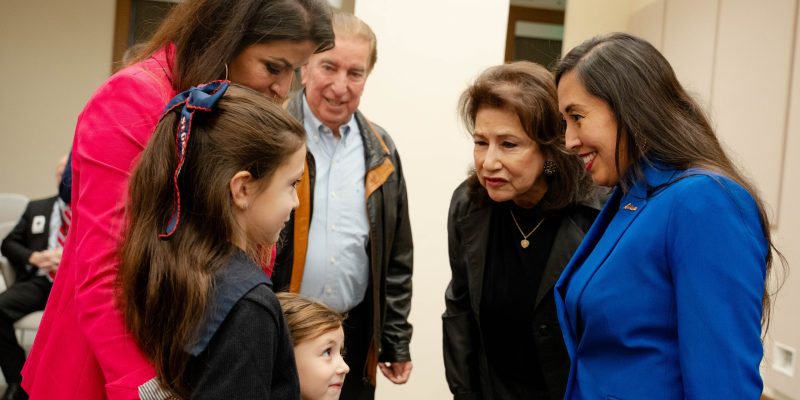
<point>591,131</point>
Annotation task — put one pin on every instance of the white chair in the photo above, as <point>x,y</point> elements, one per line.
<point>7,274</point>
<point>27,327</point>
<point>3,266</point>
<point>12,205</point>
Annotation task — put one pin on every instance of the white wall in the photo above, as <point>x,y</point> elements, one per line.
<point>586,18</point>
<point>53,54</point>
<point>786,318</point>
<point>428,51</point>
<point>689,46</point>
<point>750,85</point>
<point>643,12</point>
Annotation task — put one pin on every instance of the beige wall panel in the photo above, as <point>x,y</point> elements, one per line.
<point>785,326</point>
<point>54,54</point>
<point>586,18</point>
<point>751,84</point>
<point>647,21</point>
<point>428,51</point>
<point>690,30</point>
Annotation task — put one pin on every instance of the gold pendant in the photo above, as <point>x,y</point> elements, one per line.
<point>524,243</point>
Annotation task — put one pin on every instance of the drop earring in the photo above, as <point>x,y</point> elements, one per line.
<point>550,167</point>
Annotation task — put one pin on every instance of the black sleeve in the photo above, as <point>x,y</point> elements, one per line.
<point>65,186</point>
<point>460,338</point>
<point>397,331</point>
<point>250,356</point>
<point>14,246</point>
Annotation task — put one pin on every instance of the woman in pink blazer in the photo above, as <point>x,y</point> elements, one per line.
<point>83,349</point>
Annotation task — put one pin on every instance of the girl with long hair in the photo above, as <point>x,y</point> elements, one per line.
<point>215,184</point>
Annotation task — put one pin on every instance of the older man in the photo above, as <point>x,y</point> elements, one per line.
<point>349,243</point>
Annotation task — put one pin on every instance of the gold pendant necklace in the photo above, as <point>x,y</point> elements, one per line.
<point>524,242</point>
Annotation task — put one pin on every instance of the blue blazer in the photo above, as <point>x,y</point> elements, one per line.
<point>662,300</point>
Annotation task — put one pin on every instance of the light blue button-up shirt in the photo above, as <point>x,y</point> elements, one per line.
<point>337,267</point>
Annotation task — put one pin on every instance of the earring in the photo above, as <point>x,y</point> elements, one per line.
<point>550,167</point>
<point>642,144</point>
<point>226,71</point>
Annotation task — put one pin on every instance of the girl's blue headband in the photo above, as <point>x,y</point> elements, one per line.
<point>197,98</point>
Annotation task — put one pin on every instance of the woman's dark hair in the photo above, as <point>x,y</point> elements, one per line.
<point>528,90</point>
<point>164,286</point>
<point>208,34</point>
<point>655,116</point>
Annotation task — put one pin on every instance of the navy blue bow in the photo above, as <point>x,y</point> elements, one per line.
<point>197,98</point>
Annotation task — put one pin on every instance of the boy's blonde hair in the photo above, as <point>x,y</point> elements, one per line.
<point>308,319</point>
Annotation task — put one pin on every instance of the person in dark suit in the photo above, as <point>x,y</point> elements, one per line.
<point>513,226</point>
<point>33,251</point>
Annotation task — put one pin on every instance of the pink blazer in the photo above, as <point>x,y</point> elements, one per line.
<point>82,349</point>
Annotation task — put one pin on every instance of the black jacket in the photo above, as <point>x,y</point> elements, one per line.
<point>390,247</point>
<point>244,349</point>
<point>21,242</point>
<point>466,365</point>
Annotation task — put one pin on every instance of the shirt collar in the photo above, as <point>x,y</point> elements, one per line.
<point>320,128</point>
<point>655,173</point>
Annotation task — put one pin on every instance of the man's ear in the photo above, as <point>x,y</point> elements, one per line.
<point>304,72</point>
<point>242,189</point>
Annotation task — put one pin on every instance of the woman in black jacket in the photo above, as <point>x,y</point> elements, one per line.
<point>512,227</point>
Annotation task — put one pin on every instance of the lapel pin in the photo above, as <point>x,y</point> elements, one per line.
<point>630,207</point>
<point>37,225</point>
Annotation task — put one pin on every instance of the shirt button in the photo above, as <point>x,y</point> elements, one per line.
<point>328,290</point>
<point>333,260</point>
<point>542,331</point>
<point>333,194</point>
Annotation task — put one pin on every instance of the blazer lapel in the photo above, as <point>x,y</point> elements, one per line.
<point>568,238</point>
<point>603,236</point>
<point>474,229</point>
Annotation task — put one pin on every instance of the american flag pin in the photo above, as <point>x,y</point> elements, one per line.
<point>630,207</point>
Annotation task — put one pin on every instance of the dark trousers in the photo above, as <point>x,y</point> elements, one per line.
<point>19,300</point>
<point>357,331</point>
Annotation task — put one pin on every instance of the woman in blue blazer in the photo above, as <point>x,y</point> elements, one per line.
<point>665,297</point>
